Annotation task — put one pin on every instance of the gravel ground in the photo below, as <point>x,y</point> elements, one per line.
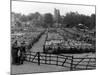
<point>28,67</point>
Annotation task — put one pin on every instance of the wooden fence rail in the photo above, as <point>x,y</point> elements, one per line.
<point>70,62</point>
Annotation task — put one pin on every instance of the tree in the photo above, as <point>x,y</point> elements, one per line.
<point>48,20</point>
<point>35,16</point>
<point>71,19</point>
<point>93,21</point>
<point>24,18</point>
<point>18,24</point>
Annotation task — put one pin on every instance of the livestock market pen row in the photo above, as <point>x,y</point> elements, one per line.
<point>61,41</point>
<point>29,37</point>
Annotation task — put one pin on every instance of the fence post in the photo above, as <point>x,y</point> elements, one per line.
<point>57,60</point>
<point>88,63</point>
<point>49,58</point>
<point>45,58</point>
<point>71,68</point>
<point>30,57</point>
<point>38,58</point>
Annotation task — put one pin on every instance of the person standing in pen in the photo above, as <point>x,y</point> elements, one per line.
<point>14,52</point>
<point>22,52</point>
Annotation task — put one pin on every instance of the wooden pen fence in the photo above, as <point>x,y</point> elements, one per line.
<point>70,62</point>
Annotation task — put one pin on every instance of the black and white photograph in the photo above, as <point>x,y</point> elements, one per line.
<point>52,37</point>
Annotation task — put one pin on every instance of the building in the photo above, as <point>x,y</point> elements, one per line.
<point>57,17</point>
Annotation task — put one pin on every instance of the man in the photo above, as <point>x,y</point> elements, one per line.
<point>22,50</point>
<point>14,52</point>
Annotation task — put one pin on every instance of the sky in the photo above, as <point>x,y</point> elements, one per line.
<point>32,7</point>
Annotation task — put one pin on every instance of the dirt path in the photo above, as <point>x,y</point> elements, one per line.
<point>28,67</point>
<point>38,47</point>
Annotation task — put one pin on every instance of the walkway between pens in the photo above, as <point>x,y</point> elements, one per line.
<point>38,47</point>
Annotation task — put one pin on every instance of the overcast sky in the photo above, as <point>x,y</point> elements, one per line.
<point>32,7</point>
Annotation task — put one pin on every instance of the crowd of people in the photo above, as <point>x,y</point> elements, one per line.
<point>18,52</point>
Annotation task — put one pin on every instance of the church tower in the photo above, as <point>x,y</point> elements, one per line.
<point>56,16</point>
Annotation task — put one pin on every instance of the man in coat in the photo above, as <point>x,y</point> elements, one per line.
<point>14,52</point>
<point>23,51</point>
